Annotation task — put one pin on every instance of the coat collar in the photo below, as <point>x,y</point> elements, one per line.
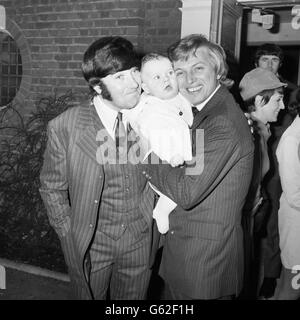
<point>220,95</point>
<point>89,124</point>
<point>88,118</point>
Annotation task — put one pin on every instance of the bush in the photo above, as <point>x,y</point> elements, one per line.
<point>25,233</point>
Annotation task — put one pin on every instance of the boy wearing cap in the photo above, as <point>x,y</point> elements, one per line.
<point>270,56</point>
<point>262,93</point>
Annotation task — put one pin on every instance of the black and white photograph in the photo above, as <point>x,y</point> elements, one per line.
<point>150,153</point>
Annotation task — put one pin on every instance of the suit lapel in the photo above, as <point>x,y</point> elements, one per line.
<point>89,124</point>
<point>221,94</point>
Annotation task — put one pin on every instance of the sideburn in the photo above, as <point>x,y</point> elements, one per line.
<point>105,92</point>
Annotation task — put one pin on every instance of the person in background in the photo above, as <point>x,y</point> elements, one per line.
<point>269,56</point>
<point>202,256</point>
<point>262,93</point>
<point>101,211</point>
<point>288,155</point>
<point>163,117</point>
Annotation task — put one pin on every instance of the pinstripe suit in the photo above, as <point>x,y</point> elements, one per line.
<point>72,186</point>
<point>203,250</point>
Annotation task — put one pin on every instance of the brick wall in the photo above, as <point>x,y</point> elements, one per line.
<point>162,24</point>
<point>52,36</point>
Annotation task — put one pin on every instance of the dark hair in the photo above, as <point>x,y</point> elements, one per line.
<point>105,56</point>
<point>187,46</point>
<point>269,49</point>
<point>249,104</point>
<point>294,106</point>
<point>105,93</point>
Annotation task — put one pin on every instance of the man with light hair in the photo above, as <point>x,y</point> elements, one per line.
<point>203,250</point>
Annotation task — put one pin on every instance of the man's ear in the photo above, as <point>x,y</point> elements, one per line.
<point>145,88</point>
<point>97,89</point>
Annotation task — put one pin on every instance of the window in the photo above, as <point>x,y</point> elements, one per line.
<point>10,68</point>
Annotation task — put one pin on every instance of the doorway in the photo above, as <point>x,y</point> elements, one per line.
<point>289,69</point>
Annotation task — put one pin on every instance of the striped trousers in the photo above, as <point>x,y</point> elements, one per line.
<point>120,268</point>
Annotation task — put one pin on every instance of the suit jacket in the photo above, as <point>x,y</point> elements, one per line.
<point>71,186</point>
<point>203,250</point>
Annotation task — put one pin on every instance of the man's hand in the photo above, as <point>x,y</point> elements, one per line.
<point>176,160</point>
<point>268,288</point>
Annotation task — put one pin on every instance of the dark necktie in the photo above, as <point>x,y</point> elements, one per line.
<point>195,111</point>
<point>120,135</point>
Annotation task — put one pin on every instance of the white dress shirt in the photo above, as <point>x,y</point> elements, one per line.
<point>201,105</point>
<point>107,115</point>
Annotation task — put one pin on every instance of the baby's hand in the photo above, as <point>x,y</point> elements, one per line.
<point>176,160</point>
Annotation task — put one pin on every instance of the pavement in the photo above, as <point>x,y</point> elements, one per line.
<point>19,281</point>
<point>24,282</point>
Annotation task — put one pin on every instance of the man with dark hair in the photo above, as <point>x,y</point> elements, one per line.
<point>270,56</point>
<point>203,251</point>
<point>101,210</point>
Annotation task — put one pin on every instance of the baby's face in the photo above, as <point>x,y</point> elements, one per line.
<point>159,80</point>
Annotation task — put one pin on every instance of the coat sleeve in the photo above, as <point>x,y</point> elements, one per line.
<point>54,184</point>
<point>214,158</point>
<point>289,164</point>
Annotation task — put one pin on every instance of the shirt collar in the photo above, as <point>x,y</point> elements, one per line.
<point>201,105</point>
<point>107,115</point>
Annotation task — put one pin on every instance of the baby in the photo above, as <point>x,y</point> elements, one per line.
<point>163,117</point>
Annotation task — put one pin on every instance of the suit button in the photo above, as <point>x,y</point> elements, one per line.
<point>123,225</point>
<point>96,201</point>
<point>91,226</point>
<point>127,176</point>
<point>144,172</point>
<point>172,232</point>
